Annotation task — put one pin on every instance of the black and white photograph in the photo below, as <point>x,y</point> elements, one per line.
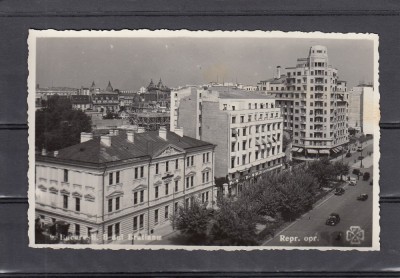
<point>200,140</point>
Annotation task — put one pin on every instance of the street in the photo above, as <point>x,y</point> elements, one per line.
<point>311,230</point>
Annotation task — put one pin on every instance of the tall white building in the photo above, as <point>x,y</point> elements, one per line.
<point>314,105</point>
<point>362,115</point>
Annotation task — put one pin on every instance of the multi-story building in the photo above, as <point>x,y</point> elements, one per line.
<point>81,102</point>
<point>361,114</point>
<point>106,101</point>
<point>245,126</point>
<point>314,105</point>
<point>123,183</point>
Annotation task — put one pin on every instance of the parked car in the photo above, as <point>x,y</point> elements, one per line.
<point>362,197</point>
<point>352,183</point>
<point>333,219</point>
<point>339,191</point>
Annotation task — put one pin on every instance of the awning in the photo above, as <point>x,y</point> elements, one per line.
<point>294,149</point>
<point>335,150</point>
<point>339,148</point>
<point>312,151</point>
<point>324,151</point>
<point>300,150</point>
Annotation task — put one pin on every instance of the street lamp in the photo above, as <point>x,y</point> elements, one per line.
<point>360,149</point>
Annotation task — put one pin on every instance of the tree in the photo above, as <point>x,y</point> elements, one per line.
<point>296,193</point>
<point>341,169</point>
<point>234,223</point>
<point>322,170</point>
<point>192,221</point>
<point>58,125</point>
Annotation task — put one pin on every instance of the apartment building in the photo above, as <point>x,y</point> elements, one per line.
<point>245,126</point>
<point>314,104</point>
<point>361,112</point>
<point>123,183</point>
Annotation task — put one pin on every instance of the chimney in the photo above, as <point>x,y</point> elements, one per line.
<point>162,132</point>
<point>44,152</point>
<point>179,131</point>
<point>130,136</point>
<point>106,140</point>
<point>55,153</point>
<point>278,72</point>
<point>141,129</point>
<point>86,136</point>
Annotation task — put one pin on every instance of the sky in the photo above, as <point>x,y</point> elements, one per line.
<point>130,63</point>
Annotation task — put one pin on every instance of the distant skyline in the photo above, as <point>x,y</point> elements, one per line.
<point>130,63</point>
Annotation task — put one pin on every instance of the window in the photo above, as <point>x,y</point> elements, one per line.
<point>166,188</point>
<point>167,166</point>
<point>65,203</point>
<point>78,204</point>
<point>89,231</point>
<point>203,197</point>
<point>116,229</point>
<point>233,162</point>
<point>243,145</point>
<point>233,147</point>
<point>187,202</point>
<point>142,171</point>
<point>156,216</point>
<point>166,210</point>
<point>136,173</point>
<point>135,198</point>
<point>204,158</point>
<point>109,232</point>
<point>65,175</point>
<point>203,177</point>
<point>176,186</point>
<point>207,196</point>
<point>156,192</point>
<point>244,159</point>
<point>110,178</point>
<point>117,177</point>
<point>176,164</point>
<point>187,182</point>
<point>117,203</point>
<point>244,131</point>
<point>135,223</point>
<point>191,181</point>
<point>141,221</point>
<point>176,205</point>
<point>192,160</point>
<point>77,229</point>
<point>142,196</point>
<point>249,105</point>
<point>208,176</point>
<point>233,108</point>
<point>157,168</point>
<point>110,201</point>
<point>242,119</point>
<point>233,120</point>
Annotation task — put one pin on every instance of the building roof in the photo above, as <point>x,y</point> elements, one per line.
<point>80,99</point>
<point>225,93</point>
<point>146,145</point>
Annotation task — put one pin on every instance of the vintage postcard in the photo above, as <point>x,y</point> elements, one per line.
<point>245,140</point>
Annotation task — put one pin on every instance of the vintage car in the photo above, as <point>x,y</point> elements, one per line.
<point>339,191</point>
<point>362,197</point>
<point>333,219</point>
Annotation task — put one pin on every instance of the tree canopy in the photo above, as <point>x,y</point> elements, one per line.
<point>58,125</point>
